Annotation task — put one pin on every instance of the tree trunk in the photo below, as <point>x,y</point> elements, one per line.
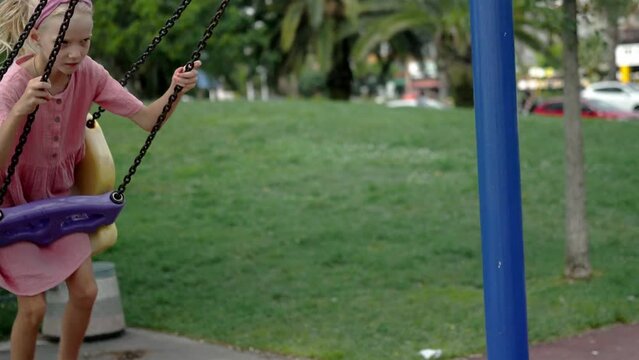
<point>340,78</point>
<point>385,71</point>
<point>577,262</point>
<point>287,84</point>
<point>444,81</point>
<point>461,83</point>
<point>456,71</point>
<point>612,32</point>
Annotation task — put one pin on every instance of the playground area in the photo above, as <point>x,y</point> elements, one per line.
<point>381,283</point>
<point>320,229</point>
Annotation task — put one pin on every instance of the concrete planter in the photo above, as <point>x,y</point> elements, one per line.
<point>107,318</point>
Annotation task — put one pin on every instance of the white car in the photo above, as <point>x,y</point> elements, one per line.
<point>624,96</point>
<point>423,102</point>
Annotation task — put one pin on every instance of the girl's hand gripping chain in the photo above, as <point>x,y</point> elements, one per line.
<point>187,80</point>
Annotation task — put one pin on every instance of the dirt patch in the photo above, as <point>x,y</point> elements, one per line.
<point>117,355</point>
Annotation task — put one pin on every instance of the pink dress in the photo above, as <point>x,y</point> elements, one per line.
<point>46,168</point>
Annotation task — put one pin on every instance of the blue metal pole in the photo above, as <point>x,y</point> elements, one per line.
<point>499,179</point>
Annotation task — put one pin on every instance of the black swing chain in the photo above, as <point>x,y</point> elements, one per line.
<point>31,118</point>
<point>118,195</point>
<point>23,37</point>
<point>90,123</point>
<point>156,41</point>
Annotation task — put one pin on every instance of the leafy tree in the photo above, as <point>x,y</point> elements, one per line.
<point>577,249</point>
<point>593,52</point>
<point>123,29</point>
<point>245,43</point>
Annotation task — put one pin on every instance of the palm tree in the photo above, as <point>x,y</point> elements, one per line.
<point>446,25</point>
<point>400,40</point>
<point>321,32</point>
<point>442,23</point>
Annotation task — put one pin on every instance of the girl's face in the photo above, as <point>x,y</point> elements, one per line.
<point>75,46</point>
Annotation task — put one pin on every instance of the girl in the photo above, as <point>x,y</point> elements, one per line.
<point>55,146</point>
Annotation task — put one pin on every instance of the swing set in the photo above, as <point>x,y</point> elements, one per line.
<point>498,170</point>
<point>95,210</point>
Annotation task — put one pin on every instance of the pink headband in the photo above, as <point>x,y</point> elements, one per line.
<point>52,5</point>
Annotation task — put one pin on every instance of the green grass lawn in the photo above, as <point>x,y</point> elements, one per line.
<point>351,231</point>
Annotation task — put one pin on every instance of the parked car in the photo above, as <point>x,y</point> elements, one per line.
<point>416,100</point>
<point>623,96</point>
<point>590,109</point>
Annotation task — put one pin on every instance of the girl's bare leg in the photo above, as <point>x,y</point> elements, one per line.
<point>24,333</point>
<point>82,293</point>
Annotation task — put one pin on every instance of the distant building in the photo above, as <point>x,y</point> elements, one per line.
<point>627,52</point>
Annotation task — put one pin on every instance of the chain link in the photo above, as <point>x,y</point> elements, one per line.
<point>31,118</point>
<point>173,98</point>
<point>23,37</point>
<point>3,70</point>
<point>136,65</point>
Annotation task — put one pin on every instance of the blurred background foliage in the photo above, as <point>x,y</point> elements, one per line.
<point>336,48</point>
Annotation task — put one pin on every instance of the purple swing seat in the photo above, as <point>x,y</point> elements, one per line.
<point>43,222</point>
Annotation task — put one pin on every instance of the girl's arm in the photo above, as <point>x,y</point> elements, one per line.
<point>8,130</point>
<point>148,115</point>
<point>35,94</point>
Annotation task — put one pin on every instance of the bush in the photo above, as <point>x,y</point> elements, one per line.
<point>312,83</point>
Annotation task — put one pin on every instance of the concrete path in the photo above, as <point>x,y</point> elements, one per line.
<point>146,345</point>
<point>620,342</point>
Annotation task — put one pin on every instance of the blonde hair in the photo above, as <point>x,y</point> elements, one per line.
<point>14,15</point>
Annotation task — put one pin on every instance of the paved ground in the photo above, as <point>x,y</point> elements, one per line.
<point>612,343</point>
<point>146,345</point>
